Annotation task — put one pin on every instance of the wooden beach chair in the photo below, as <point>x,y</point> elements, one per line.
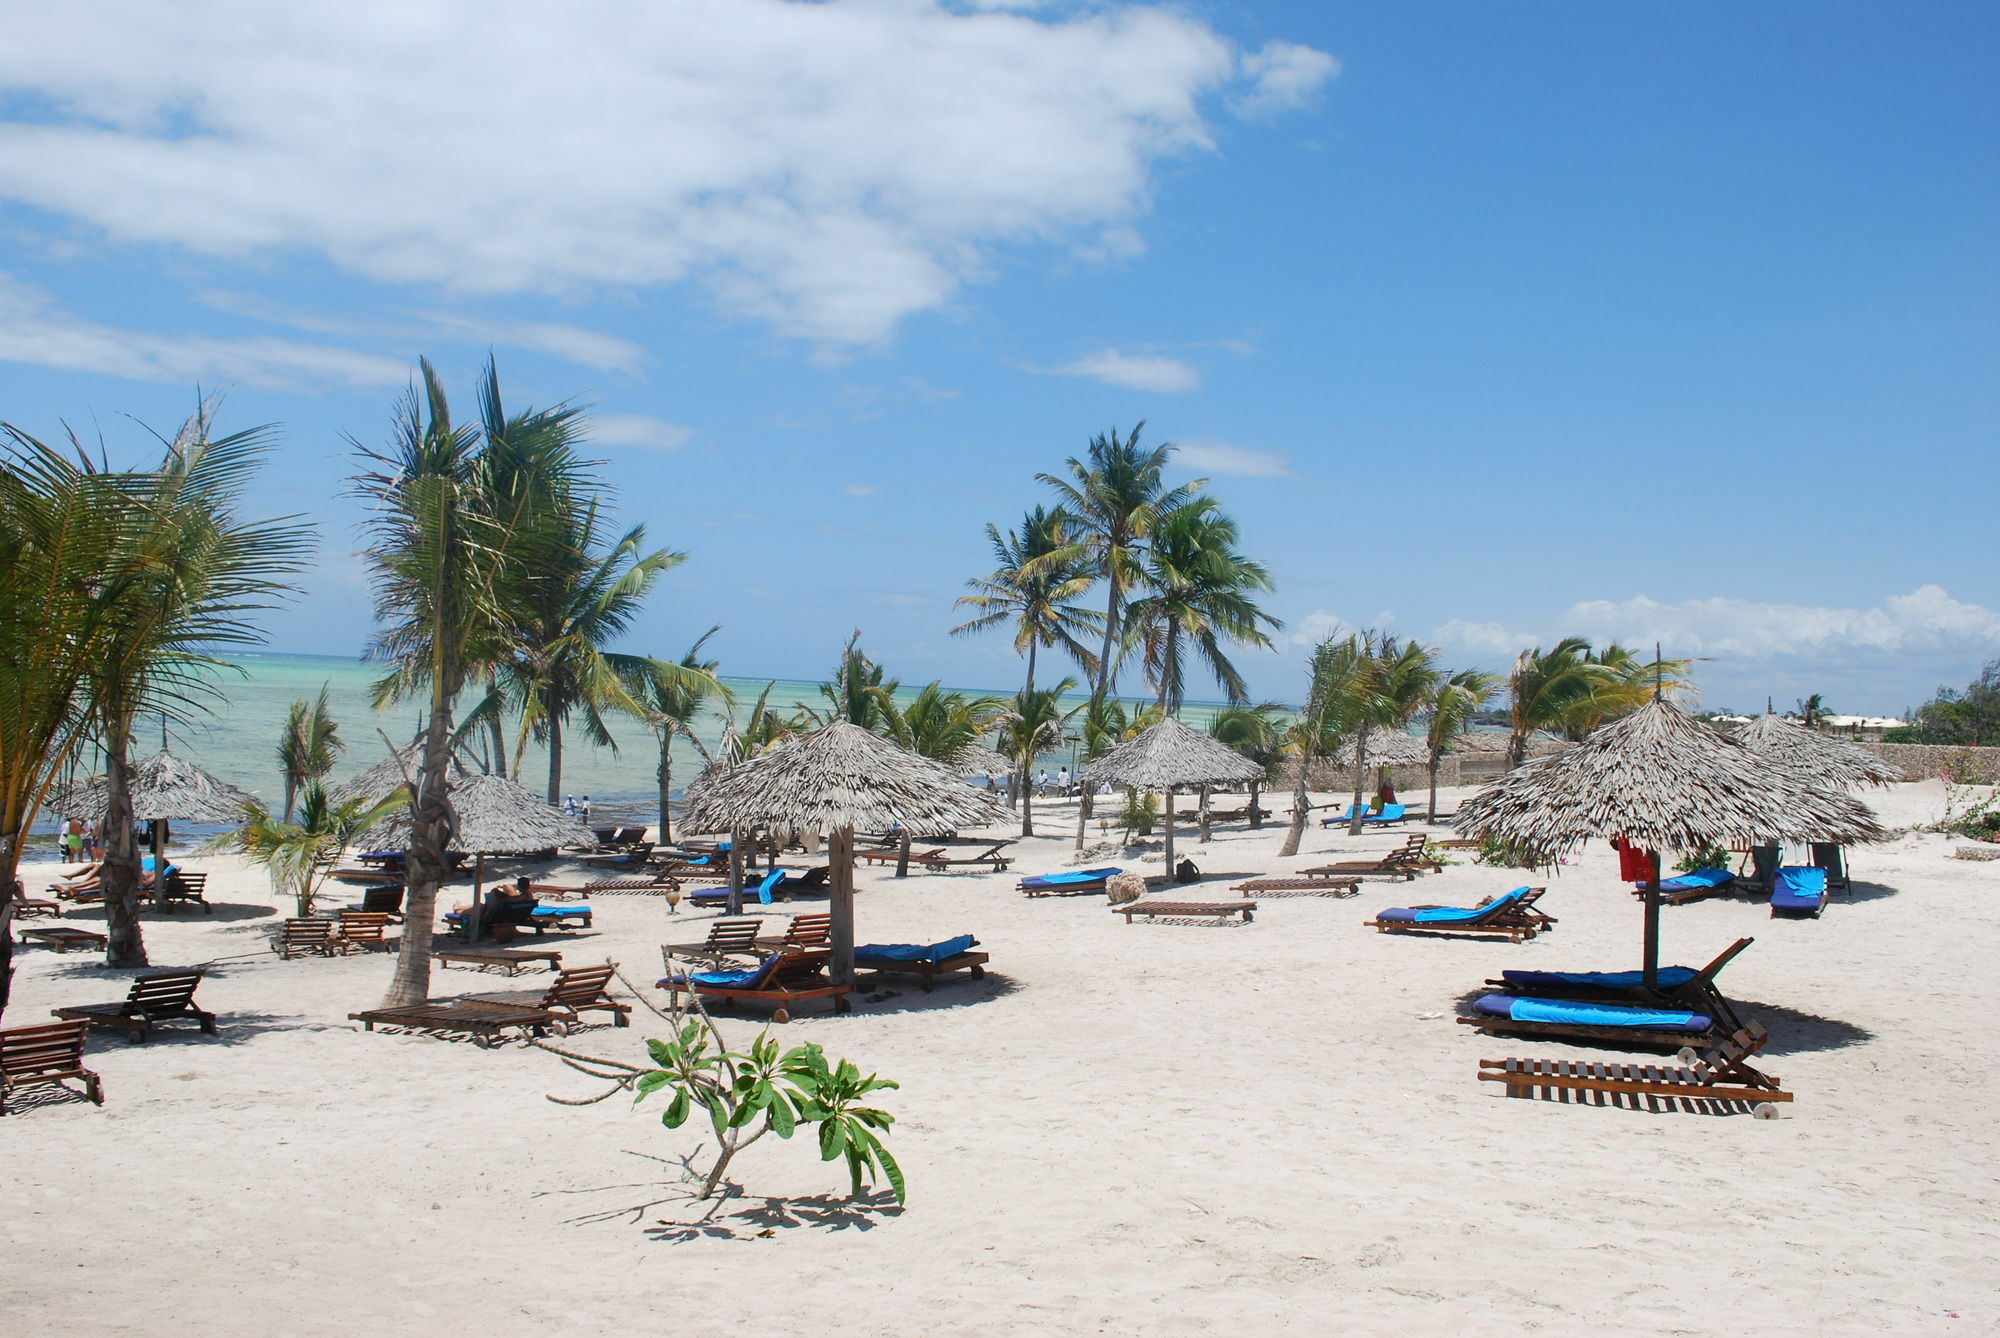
<point>634,855</point>
<point>1302,883</point>
<point>1512,916</point>
<point>511,961</point>
<point>181,888</point>
<point>49,1053</point>
<point>927,961</point>
<point>1720,1073</point>
<point>576,991</point>
<point>1405,862</point>
<point>925,857</point>
<point>1188,910</point>
<point>1683,888</point>
<point>161,997</point>
<point>485,1024</point>
<point>1668,1026</point>
<point>310,936</point>
<point>1081,880</point>
<point>660,883</point>
<point>1799,890</point>
<point>810,930</point>
<point>365,931</point>
<point>783,979</point>
<point>733,936</point>
<point>1678,986</point>
<point>62,938</point>
<point>989,857</point>
<point>386,899</point>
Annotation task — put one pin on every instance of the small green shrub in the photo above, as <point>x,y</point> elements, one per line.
<point>1707,857</point>
<point>1508,855</point>
<point>1141,812</point>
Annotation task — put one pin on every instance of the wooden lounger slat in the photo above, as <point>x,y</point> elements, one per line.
<point>1188,909</point>
<point>1722,1073</point>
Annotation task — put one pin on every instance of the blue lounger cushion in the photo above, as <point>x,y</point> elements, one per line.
<point>913,952</point>
<point>1671,978</point>
<point>557,912</point>
<point>1070,879</point>
<point>749,979</point>
<point>764,889</point>
<point>1575,1013</point>
<point>1389,813</point>
<point>1450,915</point>
<point>1690,882</point>
<point>1798,888</point>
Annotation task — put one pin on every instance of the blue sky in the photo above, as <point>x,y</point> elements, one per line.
<point>1490,323</point>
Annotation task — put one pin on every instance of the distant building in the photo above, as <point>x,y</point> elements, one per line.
<point>1859,726</point>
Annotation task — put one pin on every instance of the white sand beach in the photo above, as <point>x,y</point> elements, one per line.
<point>1148,1128</point>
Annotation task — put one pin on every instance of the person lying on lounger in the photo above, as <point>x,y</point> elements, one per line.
<point>91,878</point>
<point>504,909</point>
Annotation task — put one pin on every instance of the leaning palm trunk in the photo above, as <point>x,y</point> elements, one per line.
<point>430,832</point>
<point>1431,814</point>
<point>666,775</point>
<point>496,732</point>
<point>555,757</point>
<point>119,877</point>
<point>1360,780</point>
<point>1256,806</point>
<point>1299,801</point>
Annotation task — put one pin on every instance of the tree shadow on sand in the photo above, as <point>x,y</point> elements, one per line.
<point>731,1214</point>
<point>1862,892</point>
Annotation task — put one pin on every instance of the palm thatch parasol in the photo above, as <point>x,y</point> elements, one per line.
<point>1168,755</point>
<point>385,777</point>
<point>833,780</point>
<point>165,788</point>
<point>1663,780</point>
<point>1813,754</point>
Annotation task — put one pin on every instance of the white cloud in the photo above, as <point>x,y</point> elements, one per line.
<point>1925,620</point>
<point>637,429</point>
<point>1134,371</point>
<point>828,168</point>
<point>33,330</point>
<point>1221,457</point>
<point>860,489</point>
<point>1283,75</point>
<point>1317,626</point>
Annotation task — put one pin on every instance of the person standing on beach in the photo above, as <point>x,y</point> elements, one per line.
<point>583,809</point>
<point>1062,780</point>
<point>72,841</point>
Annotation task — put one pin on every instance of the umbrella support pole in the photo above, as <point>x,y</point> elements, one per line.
<point>1170,831</point>
<point>840,901</point>
<point>735,903</point>
<point>1652,945</point>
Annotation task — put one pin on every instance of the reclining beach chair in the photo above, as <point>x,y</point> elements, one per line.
<point>384,900</point>
<point>989,857</point>
<point>310,936</point>
<point>1304,882</point>
<point>805,931</point>
<point>783,979</point>
<point>1390,813</point>
<point>1833,858</point>
<point>1082,880</point>
<point>577,990</point>
<point>1682,985</point>
<point>181,888</point>
<point>1511,916</point>
<point>1798,890</point>
<point>659,882</point>
<point>893,854</point>
<point>1669,1026</point>
<point>926,961</point>
<point>1689,886</point>
<point>1405,862</point>
<point>160,997</point>
<point>485,1022</point>
<point>765,890</point>
<point>632,854</point>
<point>51,1052</point>
<point>727,938</point>
<point>365,931</point>
<point>1720,1073</point>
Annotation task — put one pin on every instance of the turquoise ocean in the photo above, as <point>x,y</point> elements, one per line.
<point>238,739</point>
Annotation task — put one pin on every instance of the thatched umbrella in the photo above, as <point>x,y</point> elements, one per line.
<point>833,780</point>
<point>1663,780</point>
<point>1813,754</point>
<point>490,815</point>
<point>385,777</point>
<point>1168,755</point>
<point>165,788</point>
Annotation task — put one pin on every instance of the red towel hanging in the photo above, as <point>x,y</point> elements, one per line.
<point>1635,865</point>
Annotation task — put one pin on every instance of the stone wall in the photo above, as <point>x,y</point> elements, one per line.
<point>1927,761</point>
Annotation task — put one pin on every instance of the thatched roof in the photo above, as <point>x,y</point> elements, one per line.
<point>163,786</point>
<point>1391,747</point>
<point>382,779</point>
<point>839,775</point>
<point>494,816</point>
<point>1665,781</point>
<point>1813,754</point>
<point>1171,754</point>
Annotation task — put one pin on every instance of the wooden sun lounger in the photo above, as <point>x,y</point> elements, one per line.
<point>797,977</point>
<point>299,937</point>
<point>634,854</point>
<point>1698,993</point>
<point>51,1052</point>
<point>928,973</point>
<point>1516,922</point>
<point>891,856</point>
<point>1207,910</point>
<point>484,1023</point>
<point>733,936</point>
<point>27,908</point>
<point>180,888</point>
<point>810,930</point>
<point>1282,884</point>
<point>161,997</point>
<point>661,883</point>
<point>990,857</point>
<point>1720,1073</point>
<point>576,991</point>
<point>62,938</point>
<point>513,961</point>
<point>365,931</point>
<point>1406,862</point>
<point>386,899</point>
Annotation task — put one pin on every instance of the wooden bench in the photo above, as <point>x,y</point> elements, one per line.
<point>51,1052</point>
<point>160,997</point>
<point>512,961</point>
<point>483,1022</point>
<point>62,938</point>
<point>1312,885</point>
<point>1216,910</point>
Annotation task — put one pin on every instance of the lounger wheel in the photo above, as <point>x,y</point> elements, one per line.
<point>1765,1110</point>
<point>1686,1056</point>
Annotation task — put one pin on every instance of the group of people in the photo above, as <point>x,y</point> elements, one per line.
<point>80,843</point>
<point>575,809</point>
<point>1045,785</point>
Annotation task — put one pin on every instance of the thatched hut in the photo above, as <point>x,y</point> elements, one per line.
<point>165,789</point>
<point>1168,756</point>
<point>1664,781</point>
<point>833,780</point>
<point>1813,754</point>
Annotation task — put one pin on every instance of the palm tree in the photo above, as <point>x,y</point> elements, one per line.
<point>857,691</point>
<point>308,745</point>
<point>435,546</point>
<point>1112,499</point>
<point>762,728</point>
<point>1036,725</point>
<point>674,696</point>
<point>1200,590</point>
<point>1341,677</point>
<point>1257,732</point>
<point>1544,689</point>
<point>1037,574</point>
<point>299,856</point>
<point>1631,683</point>
<point>1455,700</point>
<point>1392,694</point>
<point>943,726</point>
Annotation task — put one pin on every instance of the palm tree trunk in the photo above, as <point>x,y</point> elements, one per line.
<point>1360,778</point>
<point>119,877</point>
<point>1027,763</point>
<point>555,756</point>
<point>1431,815</point>
<point>430,824</point>
<point>291,794</point>
<point>666,775</point>
<point>1300,799</point>
<point>840,903</point>
<point>1256,809</point>
<point>496,733</point>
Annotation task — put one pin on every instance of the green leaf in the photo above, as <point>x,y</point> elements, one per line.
<point>782,1122</point>
<point>662,1056</point>
<point>832,1140</point>
<point>676,1112</point>
<point>648,1084</point>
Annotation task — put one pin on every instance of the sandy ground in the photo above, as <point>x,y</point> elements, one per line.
<point>1154,1128</point>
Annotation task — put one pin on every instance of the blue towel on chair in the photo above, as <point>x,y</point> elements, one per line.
<point>914,952</point>
<point>751,979</point>
<point>1671,978</point>
<point>1577,1014</point>
<point>1798,888</point>
<point>1070,879</point>
<point>1688,882</point>
<point>1449,915</point>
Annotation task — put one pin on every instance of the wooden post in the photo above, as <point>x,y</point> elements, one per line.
<point>1652,949</point>
<point>903,855</point>
<point>840,901</point>
<point>1170,831</point>
<point>473,916</point>
<point>735,903</point>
